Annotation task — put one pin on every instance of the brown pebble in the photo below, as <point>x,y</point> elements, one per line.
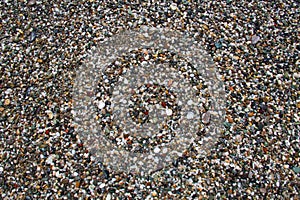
<point>1,109</point>
<point>77,184</point>
<point>205,27</point>
<point>154,194</point>
<point>65,181</point>
<point>6,102</point>
<point>230,120</point>
<point>251,114</point>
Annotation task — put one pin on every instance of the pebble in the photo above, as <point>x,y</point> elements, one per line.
<point>230,120</point>
<point>255,39</point>
<point>190,115</point>
<point>296,169</point>
<point>156,150</point>
<point>206,117</point>
<point>6,102</point>
<point>50,114</point>
<point>173,6</point>
<point>101,105</point>
<point>31,2</point>
<point>108,196</point>
<point>169,112</point>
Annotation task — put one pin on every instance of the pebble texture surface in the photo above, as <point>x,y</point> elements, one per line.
<point>255,46</point>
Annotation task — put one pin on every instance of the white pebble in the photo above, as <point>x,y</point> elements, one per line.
<point>169,112</point>
<point>156,150</point>
<point>50,159</point>
<point>190,115</point>
<point>101,105</point>
<point>173,6</point>
<point>190,102</point>
<point>108,197</point>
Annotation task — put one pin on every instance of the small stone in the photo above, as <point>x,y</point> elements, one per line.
<point>263,190</point>
<point>218,44</point>
<point>6,102</point>
<point>296,169</point>
<point>154,193</point>
<point>169,112</point>
<point>227,125</point>
<point>50,114</point>
<point>190,115</point>
<point>156,150</point>
<point>173,6</point>
<point>251,114</point>
<point>190,102</point>
<point>255,39</point>
<point>230,120</point>
<point>101,105</point>
<point>205,26</point>
<point>77,184</point>
<point>31,2</point>
<point>108,196</point>
<point>206,118</point>
<point>236,57</point>
<point>65,181</point>
<point>1,109</point>
<point>50,159</point>
<point>32,36</point>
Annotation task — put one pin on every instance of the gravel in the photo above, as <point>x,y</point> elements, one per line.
<point>255,47</point>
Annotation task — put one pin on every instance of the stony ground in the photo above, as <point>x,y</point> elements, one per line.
<point>255,46</point>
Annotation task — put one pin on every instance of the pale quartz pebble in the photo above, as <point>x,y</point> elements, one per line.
<point>101,105</point>
<point>297,75</point>
<point>156,150</point>
<point>169,112</point>
<point>190,102</point>
<point>190,115</point>
<point>173,6</point>
<point>50,159</point>
<point>108,196</point>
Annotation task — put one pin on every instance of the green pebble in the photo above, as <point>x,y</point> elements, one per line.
<point>296,169</point>
<point>227,124</point>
